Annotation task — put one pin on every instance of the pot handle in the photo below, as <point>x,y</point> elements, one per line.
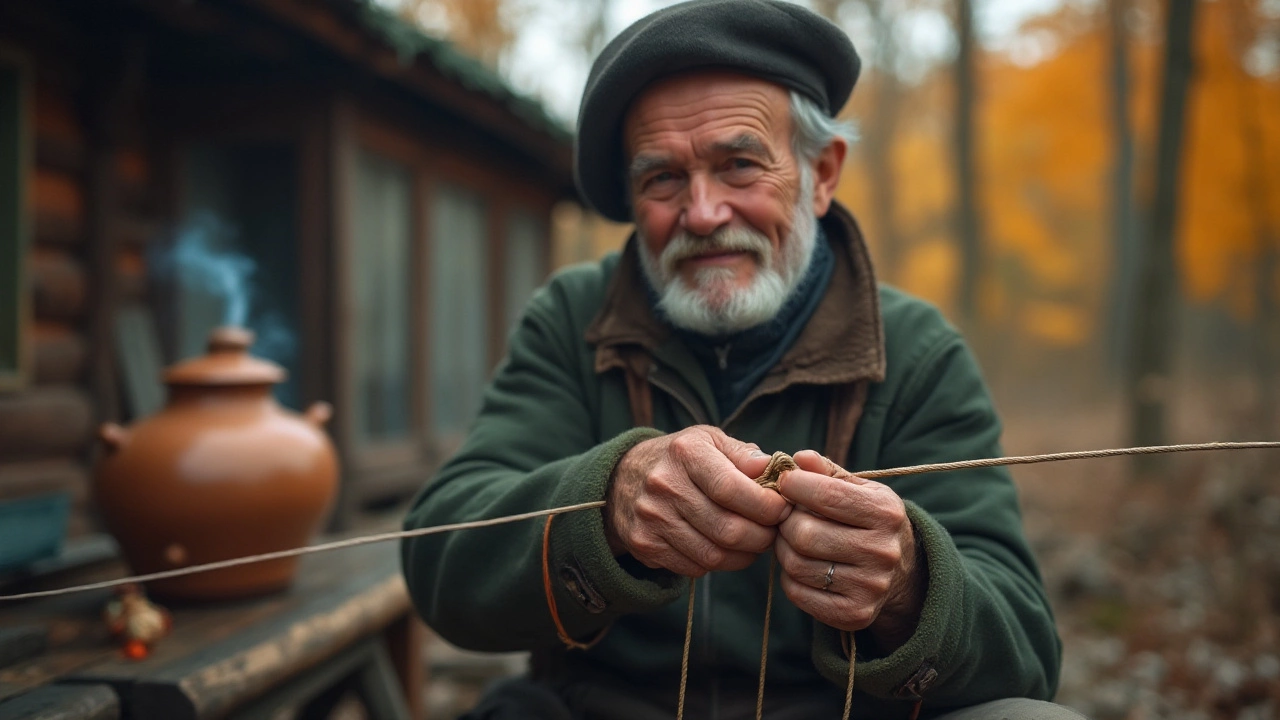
<point>114,437</point>
<point>319,413</point>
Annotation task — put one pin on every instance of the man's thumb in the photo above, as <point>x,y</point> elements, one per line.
<point>816,462</point>
<point>747,457</point>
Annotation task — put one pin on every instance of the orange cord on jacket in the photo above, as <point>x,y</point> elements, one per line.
<point>551,595</point>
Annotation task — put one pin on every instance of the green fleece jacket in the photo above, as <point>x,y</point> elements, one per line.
<point>877,379</point>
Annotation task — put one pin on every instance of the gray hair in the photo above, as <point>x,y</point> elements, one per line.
<point>812,129</point>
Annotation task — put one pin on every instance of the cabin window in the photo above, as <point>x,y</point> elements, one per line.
<point>14,162</point>
<point>459,288</point>
<point>524,265</point>
<point>381,336</point>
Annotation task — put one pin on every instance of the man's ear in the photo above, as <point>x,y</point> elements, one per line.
<point>826,174</point>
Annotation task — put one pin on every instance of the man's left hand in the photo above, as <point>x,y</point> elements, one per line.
<point>848,553</point>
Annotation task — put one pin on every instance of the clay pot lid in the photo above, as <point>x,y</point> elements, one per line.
<point>228,362</point>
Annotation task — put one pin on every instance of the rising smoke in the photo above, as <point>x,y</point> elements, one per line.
<point>202,258</point>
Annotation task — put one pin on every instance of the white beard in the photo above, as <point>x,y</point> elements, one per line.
<point>714,305</point>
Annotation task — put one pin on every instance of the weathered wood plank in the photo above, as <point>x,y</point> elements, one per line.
<point>21,642</point>
<point>206,672</point>
<point>63,702</point>
<point>44,422</point>
<point>60,353</point>
<point>59,285</point>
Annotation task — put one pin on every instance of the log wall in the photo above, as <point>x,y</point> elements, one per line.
<point>47,429</point>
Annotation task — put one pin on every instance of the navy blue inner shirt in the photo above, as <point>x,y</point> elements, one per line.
<point>735,363</point>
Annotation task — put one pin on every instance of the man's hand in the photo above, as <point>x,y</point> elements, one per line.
<point>856,530</point>
<point>687,502</point>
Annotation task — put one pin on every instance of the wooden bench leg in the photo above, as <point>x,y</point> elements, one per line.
<point>379,688</point>
<point>406,639</point>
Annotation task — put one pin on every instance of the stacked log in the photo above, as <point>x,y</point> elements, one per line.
<point>47,427</point>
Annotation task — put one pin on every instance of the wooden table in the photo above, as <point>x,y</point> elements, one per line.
<point>345,625</point>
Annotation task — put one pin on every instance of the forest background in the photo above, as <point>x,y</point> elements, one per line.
<point>1091,190</point>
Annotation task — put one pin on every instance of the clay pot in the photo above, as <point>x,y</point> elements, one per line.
<point>221,472</point>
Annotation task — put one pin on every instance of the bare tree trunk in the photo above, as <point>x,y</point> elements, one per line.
<point>1123,231</point>
<point>1266,335</point>
<point>1154,327</point>
<point>878,143</point>
<point>967,212</point>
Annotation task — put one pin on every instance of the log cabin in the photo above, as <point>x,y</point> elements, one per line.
<point>386,199</point>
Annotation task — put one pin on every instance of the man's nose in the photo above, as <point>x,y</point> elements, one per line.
<point>706,209</point>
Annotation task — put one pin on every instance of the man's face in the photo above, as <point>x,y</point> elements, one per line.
<point>722,208</point>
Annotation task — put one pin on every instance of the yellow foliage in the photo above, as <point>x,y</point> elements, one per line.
<point>1056,323</point>
<point>929,271</point>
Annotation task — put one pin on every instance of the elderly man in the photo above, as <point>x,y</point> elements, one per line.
<point>742,318</point>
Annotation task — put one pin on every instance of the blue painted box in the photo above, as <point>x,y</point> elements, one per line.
<point>32,529</point>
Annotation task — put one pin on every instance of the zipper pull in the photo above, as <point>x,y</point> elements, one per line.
<point>722,356</point>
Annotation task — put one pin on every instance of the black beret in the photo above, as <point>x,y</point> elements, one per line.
<point>770,39</point>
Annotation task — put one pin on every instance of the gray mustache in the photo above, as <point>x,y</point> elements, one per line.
<point>685,245</point>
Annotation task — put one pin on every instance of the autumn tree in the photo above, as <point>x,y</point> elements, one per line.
<point>484,29</point>
<point>1123,209</point>
<point>1150,386</point>
<point>966,172</point>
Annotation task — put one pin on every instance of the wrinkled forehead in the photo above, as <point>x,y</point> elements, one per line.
<point>703,104</point>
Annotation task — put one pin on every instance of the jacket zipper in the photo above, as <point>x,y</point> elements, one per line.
<point>702,609</point>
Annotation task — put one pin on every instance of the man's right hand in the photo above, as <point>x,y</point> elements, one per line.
<point>686,502</point>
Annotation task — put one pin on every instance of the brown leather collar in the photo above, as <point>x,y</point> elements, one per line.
<point>842,343</point>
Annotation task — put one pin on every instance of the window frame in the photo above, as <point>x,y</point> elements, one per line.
<point>19,243</point>
<point>382,455</point>
<point>430,165</point>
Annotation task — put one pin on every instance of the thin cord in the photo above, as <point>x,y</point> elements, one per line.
<point>848,688</point>
<point>764,644</point>
<point>1057,457</point>
<point>684,657</point>
<point>310,549</point>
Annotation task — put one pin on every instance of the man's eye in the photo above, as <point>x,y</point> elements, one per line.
<point>659,179</point>
<point>741,164</point>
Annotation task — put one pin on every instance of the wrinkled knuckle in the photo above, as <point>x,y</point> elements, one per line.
<point>763,542</point>
<point>647,511</point>
<point>689,444</point>
<point>791,564</point>
<point>878,584</point>
<point>716,486</point>
<point>860,616</point>
<point>804,537</point>
<point>643,546</point>
<point>659,483</point>
<point>711,557</point>
<point>731,532</point>
<point>896,513</point>
<point>831,496</point>
<point>692,570</point>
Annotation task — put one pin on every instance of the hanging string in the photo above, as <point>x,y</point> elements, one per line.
<point>764,644</point>
<point>684,655</point>
<point>770,479</point>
